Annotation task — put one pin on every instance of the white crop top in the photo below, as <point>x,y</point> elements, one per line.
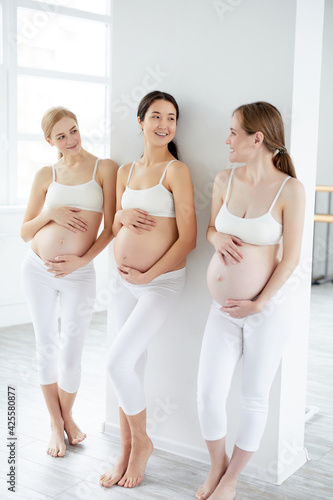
<point>87,196</point>
<point>156,200</point>
<point>262,230</point>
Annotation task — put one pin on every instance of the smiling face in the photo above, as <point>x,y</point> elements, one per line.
<point>159,123</point>
<point>66,137</point>
<point>243,146</point>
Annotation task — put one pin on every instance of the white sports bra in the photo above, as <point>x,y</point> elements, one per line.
<point>156,200</point>
<point>86,196</point>
<point>262,230</point>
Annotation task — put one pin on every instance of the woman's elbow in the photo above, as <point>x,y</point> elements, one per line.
<point>193,238</point>
<point>193,242</point>
<point>25,237</point>
<point>108,231</point>
<point>291,264</point>
<point>115,229</point>
<point>189,244</point>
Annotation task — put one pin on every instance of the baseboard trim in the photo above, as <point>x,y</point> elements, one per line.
<point>14,313</point>
<point>174,447</point>
<point>202,456</point>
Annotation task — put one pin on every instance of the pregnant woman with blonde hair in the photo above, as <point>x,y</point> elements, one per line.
<point>64,212</point>
<point>155,227</point>
<point>253,207</point>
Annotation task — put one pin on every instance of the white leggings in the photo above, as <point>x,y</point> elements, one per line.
<point>141,310</point>
<point>59,355</point>
<point>260,338</point>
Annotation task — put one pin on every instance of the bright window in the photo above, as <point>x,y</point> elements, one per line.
<point>97,6</point>
<point>52,53</point>
<point>61,43</point>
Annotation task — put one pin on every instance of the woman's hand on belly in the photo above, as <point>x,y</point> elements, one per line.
<point>132,275</point>
<point>136,219</point>
<point>141,251</point>
<point>69,218</point>
<point>227,247</point>
<point>240,308</point>
<point>243,282</point>
<point>64,265</point>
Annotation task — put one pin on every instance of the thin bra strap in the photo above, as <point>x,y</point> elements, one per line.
<point>228,188</point>
<point>130,173</point>
<point>163,175</point>
<point>53,172</point>
<point>278,193</point>
<point>94,173</point>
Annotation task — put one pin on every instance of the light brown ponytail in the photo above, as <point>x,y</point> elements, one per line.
<point>265,118</point>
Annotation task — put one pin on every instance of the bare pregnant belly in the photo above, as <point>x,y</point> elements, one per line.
<point>53,240</point>
<point>142,251</point>
<point>244,280</point>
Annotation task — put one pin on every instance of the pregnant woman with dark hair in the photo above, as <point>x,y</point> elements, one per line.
<point>155,228</point>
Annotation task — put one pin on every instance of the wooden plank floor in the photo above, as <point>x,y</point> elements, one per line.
<point>167,477</point>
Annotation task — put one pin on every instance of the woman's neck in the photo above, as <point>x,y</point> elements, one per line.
<point>260,168</point>
<point>155,154</point>
<point>72,160</point>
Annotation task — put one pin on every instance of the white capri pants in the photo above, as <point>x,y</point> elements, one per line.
<point>260,339</point>
<point>141,311</point>
<point>59,353</point>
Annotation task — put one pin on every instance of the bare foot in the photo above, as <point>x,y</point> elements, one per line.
<point>57,445</point>
<point>213,479</point>
<point>114,475</point>
<point>224,491</point>
<point>73,432</point>
<point>140,453</point>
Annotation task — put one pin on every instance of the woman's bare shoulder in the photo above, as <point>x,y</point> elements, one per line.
<point>107,163</point>
<point>293,192</point>
<point>222,179</point>
<point>43,175</point>
<point>294,187</point>
<point>177,166</point>
<point>125,168</point>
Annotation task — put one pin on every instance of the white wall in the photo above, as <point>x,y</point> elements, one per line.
<point>13,309</point>
<point>211,61</point>
<point>325,159</point>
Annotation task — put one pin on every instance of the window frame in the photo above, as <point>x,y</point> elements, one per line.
<point>9,74</point>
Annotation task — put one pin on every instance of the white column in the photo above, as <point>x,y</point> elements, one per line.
<point>282,451</point>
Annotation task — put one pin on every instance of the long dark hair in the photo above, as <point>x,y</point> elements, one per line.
<point>147,101</point>
<point>265,118</point>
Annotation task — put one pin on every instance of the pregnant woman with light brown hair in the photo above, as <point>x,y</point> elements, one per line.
<point>62,219</point>
<point>256,230</point>
<point>155,227</point>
